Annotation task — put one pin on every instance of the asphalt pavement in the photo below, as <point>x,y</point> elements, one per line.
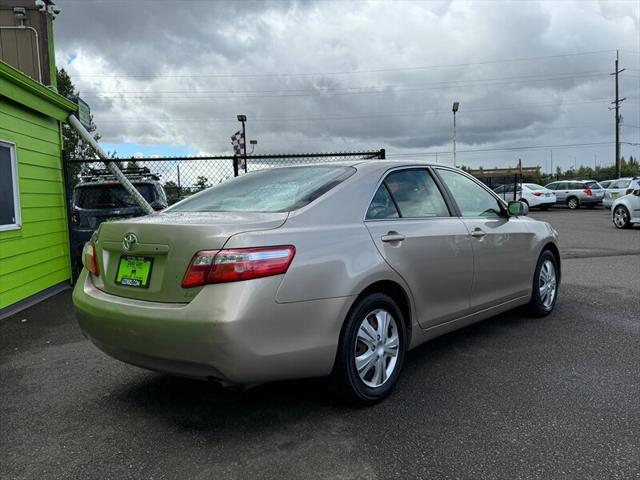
<point>511,397</point>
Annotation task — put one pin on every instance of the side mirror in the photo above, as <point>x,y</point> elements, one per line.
<point>518,209</point>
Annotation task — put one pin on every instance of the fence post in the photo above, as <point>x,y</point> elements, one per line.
<point>68,197</point>
<point>235,166</point>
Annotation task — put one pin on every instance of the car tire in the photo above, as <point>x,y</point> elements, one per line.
<point>573,203</point>
<point>364,344</point>
<point>621,217</point>
<point>546,274</point>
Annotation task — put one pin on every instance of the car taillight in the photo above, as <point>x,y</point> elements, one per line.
<point>90,259</point>
<point>233,265</point>
<point>587,191</point>
<point>537,194</point>
<point>75,218</point>
<point>628,191</point>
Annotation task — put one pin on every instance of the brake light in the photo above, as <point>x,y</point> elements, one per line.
<point>233,265</point>
<point>628,191</point>
<point>90,259</point>
<point>537,194</point>
<point>587,191</point>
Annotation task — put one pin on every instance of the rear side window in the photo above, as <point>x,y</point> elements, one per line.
<point>621,184</point>
<point>576,186</point>
<point>271,190</point>
<point>382,205</point>
<point>111,195</point>
<point>415,194</point>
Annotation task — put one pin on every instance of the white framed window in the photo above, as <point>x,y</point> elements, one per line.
<point>9,194</point>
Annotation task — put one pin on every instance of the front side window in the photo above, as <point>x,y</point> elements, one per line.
<point>415,194</point>
<point>271,190</point>
<point>9,195</point>
<point>472,199</point>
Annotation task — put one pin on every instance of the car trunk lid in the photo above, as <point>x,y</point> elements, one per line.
<point>160,247</point>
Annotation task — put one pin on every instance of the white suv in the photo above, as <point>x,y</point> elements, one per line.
<point>625,211</point>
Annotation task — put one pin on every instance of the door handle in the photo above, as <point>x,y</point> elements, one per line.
<point>392,237</point>
<point>477,233</point>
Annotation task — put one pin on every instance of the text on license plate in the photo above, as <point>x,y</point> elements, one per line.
<point>134,271</point>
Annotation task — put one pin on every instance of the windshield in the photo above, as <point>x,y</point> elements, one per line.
<point>534,186</point>
<point>110,195</point>
<point>273,190</point>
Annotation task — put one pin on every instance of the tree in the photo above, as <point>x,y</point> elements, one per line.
<point>173,191</point>
<point>201,184</point>
<point>72,144</point>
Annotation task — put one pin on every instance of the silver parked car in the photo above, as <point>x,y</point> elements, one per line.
<point>334,270</point>
<point>625,211</point>
<point>577,193</point>
<point>616,189</point>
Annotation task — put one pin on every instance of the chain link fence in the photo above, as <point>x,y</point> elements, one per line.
<point>95,196</point>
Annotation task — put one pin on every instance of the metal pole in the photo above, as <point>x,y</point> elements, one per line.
<point>454,140</point>
<point>112,167</point>
<point>244,148</point>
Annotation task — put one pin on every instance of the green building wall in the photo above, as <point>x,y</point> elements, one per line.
<point>36,256</point>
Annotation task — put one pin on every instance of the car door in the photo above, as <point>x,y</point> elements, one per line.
<point>413,229</point>
<point>502,245</point>
<point>562,191</point>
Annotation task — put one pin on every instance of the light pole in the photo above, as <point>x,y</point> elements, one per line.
<point>242,119</point>
<point>454,109</point>
<point>253,146</point>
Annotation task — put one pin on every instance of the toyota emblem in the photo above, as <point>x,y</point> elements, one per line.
<point>129,241</point>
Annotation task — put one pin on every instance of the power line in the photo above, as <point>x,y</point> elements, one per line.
<point>321,93</point>
<point>503,149</point>
<point>296,118</point>
<point>344,72</point>
<point>362,87</point>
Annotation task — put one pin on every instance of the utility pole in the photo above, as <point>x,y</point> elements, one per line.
<point>617,103</point>
<point>454,109</point>
<point>551,163</point>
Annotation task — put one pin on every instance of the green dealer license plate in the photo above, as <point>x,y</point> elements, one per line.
<point>134,271</point>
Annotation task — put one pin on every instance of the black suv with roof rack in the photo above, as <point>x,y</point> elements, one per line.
<point>99,197</point>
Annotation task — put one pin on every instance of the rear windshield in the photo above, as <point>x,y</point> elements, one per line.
<point>272,190</point>
<point>533,186</point>
<point>110,195</point>
<point>593,185</point>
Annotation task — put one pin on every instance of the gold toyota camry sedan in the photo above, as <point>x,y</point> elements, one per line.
<point>326,270</point>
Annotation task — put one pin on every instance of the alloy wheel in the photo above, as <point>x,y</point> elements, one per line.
<point>620,217</point>
<point>377,347</point>
<point>573,203</point>
<point>547,284</point>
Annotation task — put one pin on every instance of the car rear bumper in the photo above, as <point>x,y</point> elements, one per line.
<point>234,333</point>
<point>542,202</point>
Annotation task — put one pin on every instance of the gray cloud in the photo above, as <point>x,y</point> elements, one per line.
<point>185,53</point>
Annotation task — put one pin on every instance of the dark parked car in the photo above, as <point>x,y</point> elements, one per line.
<point>99,198</point>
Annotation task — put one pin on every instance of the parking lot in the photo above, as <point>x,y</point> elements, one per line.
<point>511,397</point>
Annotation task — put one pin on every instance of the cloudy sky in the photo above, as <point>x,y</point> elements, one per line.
<point>169,76</point>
